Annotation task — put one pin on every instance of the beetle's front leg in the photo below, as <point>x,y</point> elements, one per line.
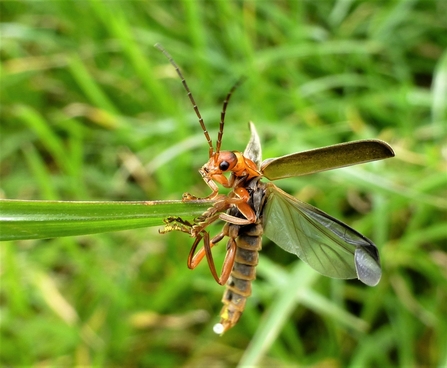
<point>210,182</point>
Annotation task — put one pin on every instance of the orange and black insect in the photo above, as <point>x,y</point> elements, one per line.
<point>254,208</point>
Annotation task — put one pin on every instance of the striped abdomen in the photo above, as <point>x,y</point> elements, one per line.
<point>238,286</point>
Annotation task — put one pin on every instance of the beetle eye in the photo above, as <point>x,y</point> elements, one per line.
<point>224,165</point>
<point>226,160</point>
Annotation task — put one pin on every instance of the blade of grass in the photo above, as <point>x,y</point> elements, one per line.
<point>300,281</point>
<point>439,91</point>
<point>49,138</point>
<point>49,219</point>
<point>89,85</point>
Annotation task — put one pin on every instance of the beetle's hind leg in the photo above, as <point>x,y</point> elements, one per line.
<point>205,251</point>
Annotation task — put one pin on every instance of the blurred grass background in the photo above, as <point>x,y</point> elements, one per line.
<point>92,111</point>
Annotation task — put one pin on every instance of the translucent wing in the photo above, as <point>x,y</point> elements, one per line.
<point>328,245</point>
<point>326,158</point>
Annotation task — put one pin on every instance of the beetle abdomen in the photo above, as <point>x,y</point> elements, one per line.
<point>238,286</point>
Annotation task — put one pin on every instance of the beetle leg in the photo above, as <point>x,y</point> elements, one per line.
<point>240,199</point>
<point>220,205</point>
<point>234,220</point>
<point>232,232</point>
<point>176,224</point>
<point>209,216</point>
<point>209,181</point>
<point>201,224</point>
<point>194,260</point>
<point>244,208</point>
<point>227,266</point>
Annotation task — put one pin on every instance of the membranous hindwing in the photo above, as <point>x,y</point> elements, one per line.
<point>328,245</point>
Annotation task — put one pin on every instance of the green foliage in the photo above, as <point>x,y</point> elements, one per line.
<point>91,111</point>
<point>21,220</point>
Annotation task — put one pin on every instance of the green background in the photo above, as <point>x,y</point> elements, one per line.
<point>92,111</point>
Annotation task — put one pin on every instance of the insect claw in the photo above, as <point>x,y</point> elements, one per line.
<point>176,224</point>
<point>186,197</point>
<point>189,197</point>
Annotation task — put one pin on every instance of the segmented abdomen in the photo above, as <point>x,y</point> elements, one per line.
<point>238,286</point>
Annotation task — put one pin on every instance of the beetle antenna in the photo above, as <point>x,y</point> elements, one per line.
<point>191,98</point>
<point>224,110</point>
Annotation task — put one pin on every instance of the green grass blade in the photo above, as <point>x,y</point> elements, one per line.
<point>298,283</point>
<point>49,219</point>
<point>37,123</point>
<point>88,85</point>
